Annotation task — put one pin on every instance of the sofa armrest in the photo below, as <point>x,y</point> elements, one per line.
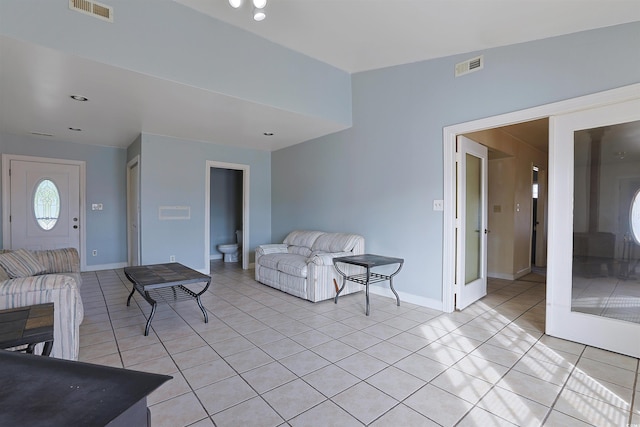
<point>59,260</point>
<point>68,311</point>
<point>276,248</point>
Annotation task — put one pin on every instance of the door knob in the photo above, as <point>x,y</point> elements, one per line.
<point>75,226</point>
<point>75,219</point>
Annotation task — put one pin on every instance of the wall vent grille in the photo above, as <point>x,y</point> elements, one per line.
<point>469,66</point>
<point>92,8</point>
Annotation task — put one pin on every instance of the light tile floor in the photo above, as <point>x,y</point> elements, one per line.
<point>269,359</point>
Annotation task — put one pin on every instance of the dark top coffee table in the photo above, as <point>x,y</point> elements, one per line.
<point>29,326</point>
<point>45,391</point>
<point>368,261</point>
<point>165,282</point>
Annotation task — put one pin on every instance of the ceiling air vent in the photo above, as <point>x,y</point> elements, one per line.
<point>92,8</point>
<point>469,66</point>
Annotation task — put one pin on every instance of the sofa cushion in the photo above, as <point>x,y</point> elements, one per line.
<point>294,265</point>
<point>299,250</point>
<point>335,242</point>
<point>302,238</point>
<point>21,263</point>
<point>270,261</point>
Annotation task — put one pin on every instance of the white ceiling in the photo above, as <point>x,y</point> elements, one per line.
<point>359,35</point>
<point>353,35</point>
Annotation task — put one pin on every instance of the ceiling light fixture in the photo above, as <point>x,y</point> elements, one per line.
<point>259,14</point>
<point>75,129</point>
<point>79,98</point>
<point>258,8</point>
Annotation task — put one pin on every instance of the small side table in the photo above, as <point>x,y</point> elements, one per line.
<point>28,325</point>
<point>367,261</point>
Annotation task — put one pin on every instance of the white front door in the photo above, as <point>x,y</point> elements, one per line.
<point>593,268</point>
<point>44,205</point>
<point>471,259</point>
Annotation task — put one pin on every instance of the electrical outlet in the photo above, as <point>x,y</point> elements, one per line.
<point>94,252</point>
<point>438,205</point>
<point>172,258</point>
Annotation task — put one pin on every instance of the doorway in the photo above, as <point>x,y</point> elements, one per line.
<point>556,286</point>
<point>42,203</point>
<point>133,211</point>
<point>234,215</point>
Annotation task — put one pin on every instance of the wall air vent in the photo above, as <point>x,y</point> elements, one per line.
<point>92,8</point>
<point>469,66</point>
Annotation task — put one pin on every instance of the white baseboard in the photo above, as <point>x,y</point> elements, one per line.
<point>502,276</point>
<point>113,266</point>
<point>215,256</point>
<point>523,272</point>
<point>405,297</point>
<point>515,276</point>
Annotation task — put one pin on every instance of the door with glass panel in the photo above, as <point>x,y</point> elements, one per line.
<point>45,205</point>
<point>593,294</point>
<point>471,244</point>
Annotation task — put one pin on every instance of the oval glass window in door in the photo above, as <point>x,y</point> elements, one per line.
<point>46,204</point>
<point>634,217</point>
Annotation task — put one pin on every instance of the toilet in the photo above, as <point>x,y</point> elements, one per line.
<point>230,251</point>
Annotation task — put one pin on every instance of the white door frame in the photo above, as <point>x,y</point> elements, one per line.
<point>133,162</point>
<point>245,209</point>
<point>449,150</point>
<point>6,198</point>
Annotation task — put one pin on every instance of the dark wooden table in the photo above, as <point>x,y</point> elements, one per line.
<point>28,326</point>
<point>165,282</point>
<point>45,391</point>
<point>368,261</point>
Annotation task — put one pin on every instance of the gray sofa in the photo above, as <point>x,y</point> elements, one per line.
<point>302,265</point>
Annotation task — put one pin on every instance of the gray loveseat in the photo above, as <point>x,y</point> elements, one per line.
<point>303,264</point>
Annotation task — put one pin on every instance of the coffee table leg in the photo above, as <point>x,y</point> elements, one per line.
<point>46,351</point>
<point>393,290</point>
<point>204,312</point>
<point>130,295</point>
<point>153,312</point>
<point>367,290</point>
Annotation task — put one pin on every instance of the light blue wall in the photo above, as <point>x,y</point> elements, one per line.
<point>380,177</point>
<point>105,183</point>
<point>165,39</point>
<point>174,174</point>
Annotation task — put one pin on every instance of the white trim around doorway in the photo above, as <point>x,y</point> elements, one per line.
<point>449,153</point>
<point>245,209</point>
<point>6,199</point>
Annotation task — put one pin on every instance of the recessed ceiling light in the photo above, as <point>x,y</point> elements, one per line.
<point>75,129</point>
<point>79,98</point>
<point>268,134</point>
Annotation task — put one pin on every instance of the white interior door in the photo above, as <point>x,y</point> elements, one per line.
<point>133,211</point>
<point>44,205</point>
<point>471,253</point>
<point>592,295</point>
